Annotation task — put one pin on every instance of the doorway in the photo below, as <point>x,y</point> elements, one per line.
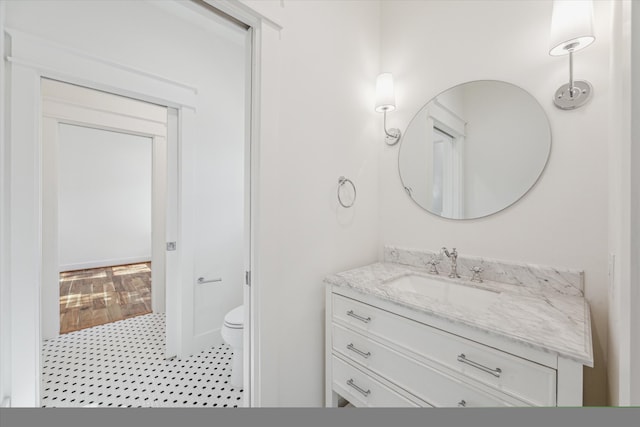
<point>87,136</point>
<point>154,77</point>
<point>104,226</point>
<point>104,204</point>
<point>104,223</point>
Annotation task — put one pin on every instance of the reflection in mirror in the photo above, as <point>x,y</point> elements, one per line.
<point>474,149</point>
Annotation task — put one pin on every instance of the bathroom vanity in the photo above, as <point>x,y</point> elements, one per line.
<point>397,336</point>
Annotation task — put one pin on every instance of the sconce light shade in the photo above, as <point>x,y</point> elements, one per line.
<point>571,30</point>
<point>571,26</point>
<point>385,95</point>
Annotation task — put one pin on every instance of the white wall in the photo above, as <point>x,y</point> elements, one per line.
<point>104,198</point>
<point>634,300</point>
<point>563,220</point>
<point>5,291</point>
<point>318,124</point>
<point>624,194</point>
<point>618,350</point>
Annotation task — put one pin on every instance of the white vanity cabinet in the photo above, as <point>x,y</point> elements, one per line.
<point>379,353</point>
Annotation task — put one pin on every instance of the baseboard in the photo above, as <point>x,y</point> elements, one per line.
<point>6,403</point>
<point>207,339</point>
<point>104,263</point>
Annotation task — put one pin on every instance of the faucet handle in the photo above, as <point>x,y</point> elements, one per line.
<point>451,254</point>
<point>476,270</point>
<point>442,252</point>
<point>433,262</point>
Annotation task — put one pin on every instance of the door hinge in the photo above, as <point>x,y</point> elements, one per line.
<point>247,278</point>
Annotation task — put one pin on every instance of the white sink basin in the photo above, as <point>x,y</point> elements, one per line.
<point>444,291</point>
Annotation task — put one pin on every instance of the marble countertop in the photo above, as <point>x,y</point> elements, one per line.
<point>538,317</point>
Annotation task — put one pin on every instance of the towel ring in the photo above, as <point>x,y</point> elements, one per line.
<point>341,181</point>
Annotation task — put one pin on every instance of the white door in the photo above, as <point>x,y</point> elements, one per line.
<point>212,224</point>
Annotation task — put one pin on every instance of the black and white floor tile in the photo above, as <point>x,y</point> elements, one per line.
<point>122,364</point>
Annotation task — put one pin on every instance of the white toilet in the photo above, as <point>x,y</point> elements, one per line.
<point>232,334</point>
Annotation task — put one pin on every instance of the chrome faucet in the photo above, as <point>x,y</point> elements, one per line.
<point>453,256</point>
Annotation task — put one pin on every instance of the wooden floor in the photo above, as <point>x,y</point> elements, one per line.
<point>103,295</point>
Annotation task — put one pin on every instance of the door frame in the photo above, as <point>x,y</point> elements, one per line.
<point>634,286</point>
<point>63,103</point>
<point>29,60</point>
<point>256,23</point>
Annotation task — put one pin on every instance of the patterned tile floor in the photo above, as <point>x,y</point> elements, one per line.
<point>122,364</point>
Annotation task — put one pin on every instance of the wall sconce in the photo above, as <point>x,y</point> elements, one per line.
<point>386,101</point>
<point>571,30</point>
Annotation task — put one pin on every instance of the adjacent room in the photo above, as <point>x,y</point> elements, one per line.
<point>104,226</point>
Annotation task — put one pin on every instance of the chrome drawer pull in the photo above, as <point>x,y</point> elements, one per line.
<point>462,404</point>
<point>360,352</point>
<point>495,372</point>
<point>360,318</point>
<point>352,384</point>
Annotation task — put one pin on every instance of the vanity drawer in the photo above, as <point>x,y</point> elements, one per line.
<point>525,380</point>
<point>424,381</point>
<point>362,390</point>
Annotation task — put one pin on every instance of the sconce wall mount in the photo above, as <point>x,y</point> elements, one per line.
<point>392,136</point>
<point>574,94</point>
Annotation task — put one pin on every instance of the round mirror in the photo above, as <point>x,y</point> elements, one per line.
<point>474,149</point>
